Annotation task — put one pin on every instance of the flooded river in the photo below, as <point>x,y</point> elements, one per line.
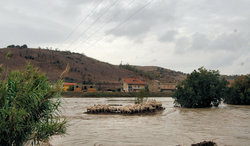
<point>225,125</point>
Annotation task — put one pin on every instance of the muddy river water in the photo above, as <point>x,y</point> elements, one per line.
<point>225,125</point>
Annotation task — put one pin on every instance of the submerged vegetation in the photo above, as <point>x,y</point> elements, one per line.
<point>239,92</point>
<point>201,88</point>
<point>29,108</point>
<point>141,95</point>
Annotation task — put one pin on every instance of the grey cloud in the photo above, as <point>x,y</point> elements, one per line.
<point>233,42</point>
<point>168,36</point>
<point>193,27</point>
<point>200,42</point>
<point>225,59</point>
<point>151,18</point>
<point>181,45</point>
<point>226,48</point>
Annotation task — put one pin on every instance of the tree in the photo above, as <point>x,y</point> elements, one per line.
<point>11,46</point>
<point>24,46</point>
<point>140,96</point>
<point>201,88</point>
<point>239,92</point>
<point>29,108</point>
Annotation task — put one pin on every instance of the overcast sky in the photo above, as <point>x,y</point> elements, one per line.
<point>182,35</point>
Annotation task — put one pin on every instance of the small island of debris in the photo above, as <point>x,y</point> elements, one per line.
<point>149,106</point>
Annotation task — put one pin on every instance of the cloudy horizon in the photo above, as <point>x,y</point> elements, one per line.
<point>179,35</point>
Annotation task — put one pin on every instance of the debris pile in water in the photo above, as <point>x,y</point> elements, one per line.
<point>144,107</point>
<point>205,143</point>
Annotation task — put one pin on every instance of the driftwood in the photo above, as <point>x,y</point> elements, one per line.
<point>144,107</point>
<point>205,143</point>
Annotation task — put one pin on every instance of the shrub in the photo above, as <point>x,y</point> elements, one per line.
<point>9,55</point>
<point>1,69</point>
<point>239,92</point>
<point>201,88</point>
<point>140,96</point>
<point>11,46</point>
<point>24,46</point>
<point>29,108</point>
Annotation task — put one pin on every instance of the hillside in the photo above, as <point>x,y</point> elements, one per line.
<point>83,69</point>
<point>162,74</point>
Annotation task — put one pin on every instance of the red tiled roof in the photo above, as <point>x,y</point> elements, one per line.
<point>69,84</point>
<point>134,81</point>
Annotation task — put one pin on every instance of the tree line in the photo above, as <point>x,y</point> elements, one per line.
<point>17,46</point>
<point>206,88</point>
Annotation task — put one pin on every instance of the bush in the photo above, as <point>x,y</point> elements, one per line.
<point>24,46</point>
<point>29,108</point>
<point>202,88</point>
<point>1,69</point>
<point>8,55</point>
<point>239,92</point>
<point>140,96</point>
<point>11,46</point>
<point>17,46</point>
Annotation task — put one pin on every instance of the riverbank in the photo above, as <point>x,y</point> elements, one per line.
<point>113,94</point>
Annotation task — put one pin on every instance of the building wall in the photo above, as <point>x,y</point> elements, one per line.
<point>65,87</point>
<point>125,87</point>
<point>132,87</point>
<point>154,86</point>
<point>77,89</point>
<point>91,90</point>
<point>109,86</point>
<point>167,86</point>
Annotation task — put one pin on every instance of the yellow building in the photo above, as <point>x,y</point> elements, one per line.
<point>167,87</point>
<point>154,86</point>
<point>69,86</point>
<point>133,85</point>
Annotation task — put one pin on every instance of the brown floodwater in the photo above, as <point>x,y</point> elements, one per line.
<point>225,125</point>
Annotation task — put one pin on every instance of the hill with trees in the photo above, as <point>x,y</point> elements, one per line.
<point>83,69</point>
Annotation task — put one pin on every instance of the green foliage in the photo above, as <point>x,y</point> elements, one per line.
<point>1,69</point>
<point>17,46</point>
<point>239,92</point>
<point>11,46</point>
<point>140,96</point>
<point>138,71</point>
<point>9,55</point>
<point>29,108</point>
<point>202,88</point>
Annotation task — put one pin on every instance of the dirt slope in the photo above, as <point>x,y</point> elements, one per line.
<point>82,68</point>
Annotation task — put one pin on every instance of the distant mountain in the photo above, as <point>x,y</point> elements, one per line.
<point>83,69</point>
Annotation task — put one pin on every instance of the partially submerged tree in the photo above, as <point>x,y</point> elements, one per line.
<point>201,88</point>
<point>29,108</point>
<point>239,92</point>
<point>140,96</point>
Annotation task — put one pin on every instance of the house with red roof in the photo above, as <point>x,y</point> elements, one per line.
<point>133,84</point>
